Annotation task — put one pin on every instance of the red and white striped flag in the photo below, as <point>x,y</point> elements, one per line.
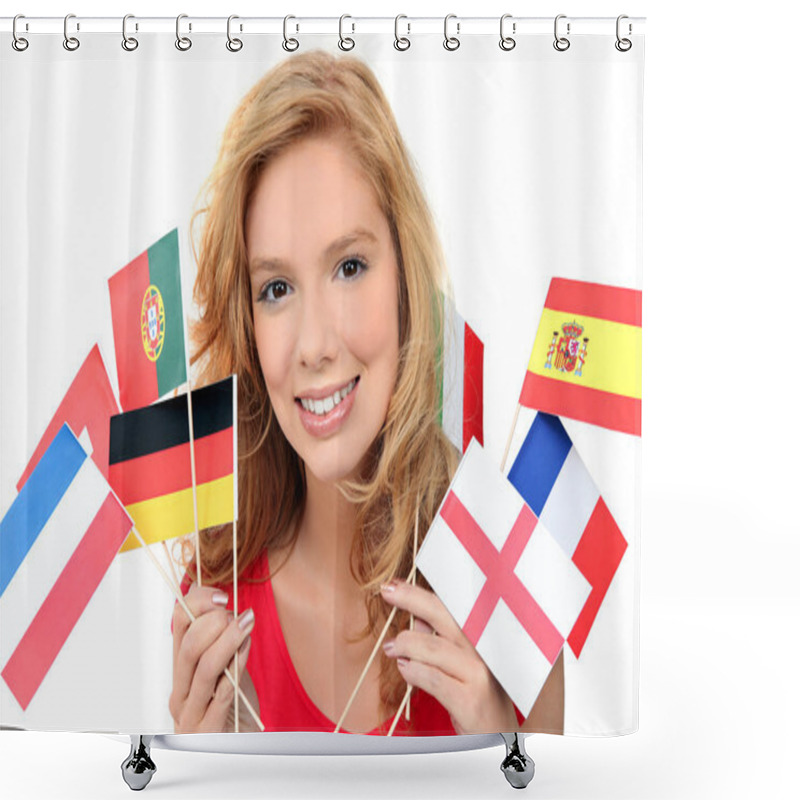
<point>503,577</point>
<point>462,380</point>
<point>57,541</point>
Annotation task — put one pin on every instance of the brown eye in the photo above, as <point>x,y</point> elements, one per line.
<point>352,268</point>
<point>274,291</point>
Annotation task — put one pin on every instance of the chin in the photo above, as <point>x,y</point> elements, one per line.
<point>339,465</point>
<point>332,469</point>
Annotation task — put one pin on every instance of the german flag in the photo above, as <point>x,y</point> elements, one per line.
<point>150,463</point>
<point>586,362</point>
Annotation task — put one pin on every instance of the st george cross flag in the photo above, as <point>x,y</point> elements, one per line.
<point>550,475</point>
<point>87,405</point>
<point>147,317</point>
<point>462,380</point>
<point>57,541</point>
<point>586,362</point>
<point>502,576</point>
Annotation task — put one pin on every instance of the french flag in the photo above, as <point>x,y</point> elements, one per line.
<point>57,541</point>
<point>550,475</point>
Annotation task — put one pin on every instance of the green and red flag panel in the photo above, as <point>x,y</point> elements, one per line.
<point>147,317</point>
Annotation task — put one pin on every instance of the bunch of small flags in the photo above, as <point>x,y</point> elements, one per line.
<point>524,562</point>
<point>96,473</point>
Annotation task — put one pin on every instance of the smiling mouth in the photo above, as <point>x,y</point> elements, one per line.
<point>325,405</point>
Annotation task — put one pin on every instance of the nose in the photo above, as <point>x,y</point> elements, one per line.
<point>318,337</point>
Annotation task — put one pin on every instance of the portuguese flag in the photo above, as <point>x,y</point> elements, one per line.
<point>150,463</point>
<point>147,317</point>
<point>586,362</point>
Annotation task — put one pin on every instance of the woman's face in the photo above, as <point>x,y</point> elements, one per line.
<point>323,275</point>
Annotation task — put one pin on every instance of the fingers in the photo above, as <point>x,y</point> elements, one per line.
<point>214,656</point>
<point>202,648</point>
<point>435,651</point>
<point>431,680</point>
<point>199,600</point>
<point>218,713</point>
<point>425,606</point>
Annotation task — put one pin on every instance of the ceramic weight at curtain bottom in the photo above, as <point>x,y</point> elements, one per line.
<point>138,768</point>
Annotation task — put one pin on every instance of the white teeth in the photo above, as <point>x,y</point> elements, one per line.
<point>325,406</point>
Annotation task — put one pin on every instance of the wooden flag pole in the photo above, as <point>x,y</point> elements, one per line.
<point>194,482</point>
<point>171,565</point>
<point>411,621</point>
<point>179,597</point>
<point>405,704</point>
<point>510,437</point>
<point>235,616</point>
<point>371,659</point>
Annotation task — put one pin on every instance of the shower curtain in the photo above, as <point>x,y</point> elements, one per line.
<point>523,139</point>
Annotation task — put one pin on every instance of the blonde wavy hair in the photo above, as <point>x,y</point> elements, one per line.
<point>411,461</point>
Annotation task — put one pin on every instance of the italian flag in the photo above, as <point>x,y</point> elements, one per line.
<point>147,317</point>
<point>462,380</point>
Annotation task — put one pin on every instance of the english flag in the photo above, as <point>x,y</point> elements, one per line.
<point>87,405</point>
<point>57,541</point>
<point>550,475</point>
<point>462,380</point>
<point>502,576</point>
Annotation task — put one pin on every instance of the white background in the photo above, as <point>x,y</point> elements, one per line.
<point>720,552</point>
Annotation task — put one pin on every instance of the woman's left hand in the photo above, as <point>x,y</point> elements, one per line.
<point>446,665</point>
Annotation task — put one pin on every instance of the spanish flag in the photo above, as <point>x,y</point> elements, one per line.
<point>150,463</point>
<point>586,362</point>
<point>147,317</point>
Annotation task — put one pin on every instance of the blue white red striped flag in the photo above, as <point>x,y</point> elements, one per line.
<point>502,576</point>
<point>549,473</point>
<point>57,541</point>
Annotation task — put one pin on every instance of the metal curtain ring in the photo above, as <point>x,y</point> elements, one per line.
<point>451,42</point>
<point>561,43</point>
<point>289,44</point>
<point>71,43</point>
<point>183,43</point>
<point>401,42</point>
<point>345,42</point>
<point>129,43</point>
<point>506,42</point>
<point>234,45</point>
<point>623,45</point>
<point>18,42</point>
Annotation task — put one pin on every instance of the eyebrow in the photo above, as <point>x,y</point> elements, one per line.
<point>335,247</point>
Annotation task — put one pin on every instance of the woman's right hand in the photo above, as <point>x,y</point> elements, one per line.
<point>202,695</point>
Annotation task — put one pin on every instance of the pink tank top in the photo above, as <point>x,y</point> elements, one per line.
<point>283,702</point>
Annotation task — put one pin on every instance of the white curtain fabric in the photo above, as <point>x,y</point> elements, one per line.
<point>531,163</point>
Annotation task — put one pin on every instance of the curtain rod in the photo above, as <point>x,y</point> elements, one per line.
<point>324,25</point>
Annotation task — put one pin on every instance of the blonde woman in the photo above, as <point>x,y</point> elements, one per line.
<point>319,278</point>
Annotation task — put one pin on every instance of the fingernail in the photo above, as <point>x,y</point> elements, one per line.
<point>246,619</point>
<point>388,647</point>
<point>402,662</point>
<point>220,599</point>
<point>388,588</point>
